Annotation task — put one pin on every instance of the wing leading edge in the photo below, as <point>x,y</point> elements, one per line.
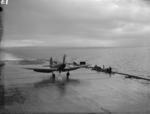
<point>48,70</point>
<point>43,70</point>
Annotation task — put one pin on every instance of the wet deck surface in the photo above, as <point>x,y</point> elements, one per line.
<point>87,91</point>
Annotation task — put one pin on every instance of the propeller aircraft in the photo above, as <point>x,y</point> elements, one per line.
<point>58,67</point>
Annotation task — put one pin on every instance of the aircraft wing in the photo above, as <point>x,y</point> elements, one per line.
<point>49,70</point>
<point>70,69</point>
<point>42,70</point>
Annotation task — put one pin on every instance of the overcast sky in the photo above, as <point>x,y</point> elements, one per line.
<point>103,23</point>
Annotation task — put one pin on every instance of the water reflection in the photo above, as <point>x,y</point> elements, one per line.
<point>50,81</point>
<point>14,95</point>
<point>60,86</point>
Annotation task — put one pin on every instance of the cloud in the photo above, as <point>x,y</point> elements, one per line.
<point>21,43</point>
<point>132,28</point>
<point>81,19</point>
<point>147,1</point>
<point>72,42</point>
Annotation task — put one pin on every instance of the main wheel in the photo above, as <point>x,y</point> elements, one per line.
<point>53,77</point>
<point>67,75</point>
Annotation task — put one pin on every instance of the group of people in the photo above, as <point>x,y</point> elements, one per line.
<point>103,69</point>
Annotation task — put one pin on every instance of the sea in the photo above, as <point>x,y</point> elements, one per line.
<point>126,59</point>
<point>87,91</point>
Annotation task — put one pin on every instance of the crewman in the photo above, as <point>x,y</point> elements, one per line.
<point>110,71</point>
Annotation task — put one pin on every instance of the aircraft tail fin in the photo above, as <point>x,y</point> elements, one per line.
<point>51,62</point>
<point>64,59</point>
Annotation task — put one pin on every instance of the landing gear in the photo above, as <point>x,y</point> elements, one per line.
<point>53,76</point>
<point>67,75</point>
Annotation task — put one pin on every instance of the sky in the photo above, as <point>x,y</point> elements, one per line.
<point>76,23</point>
